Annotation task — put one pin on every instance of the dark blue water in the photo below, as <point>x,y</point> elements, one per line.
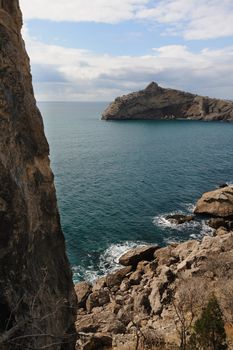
<point>116,180</point>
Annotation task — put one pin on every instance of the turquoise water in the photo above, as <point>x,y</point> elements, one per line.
<point>116,180</point>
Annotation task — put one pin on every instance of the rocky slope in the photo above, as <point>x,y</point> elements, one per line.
<point>154,300</point>
<point>36,290</point>
<point>155,102</point>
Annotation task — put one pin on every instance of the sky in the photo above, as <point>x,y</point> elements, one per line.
<point>96,50</point>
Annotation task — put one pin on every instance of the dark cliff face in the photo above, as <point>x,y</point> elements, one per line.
<point>155,102</point>
<point>36,291</point>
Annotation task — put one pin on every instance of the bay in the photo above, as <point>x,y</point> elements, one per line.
<point>117,180</point>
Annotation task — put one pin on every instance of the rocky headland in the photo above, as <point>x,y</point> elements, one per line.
<point>37,299</point>
<point>155,102</point>
<point>154,300</point>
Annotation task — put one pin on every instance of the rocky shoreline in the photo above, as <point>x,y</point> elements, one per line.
<point>155,102</point>
<point>142,305</point>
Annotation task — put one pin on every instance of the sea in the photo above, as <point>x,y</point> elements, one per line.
<point>117,180</point>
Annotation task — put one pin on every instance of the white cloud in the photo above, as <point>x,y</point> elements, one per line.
<point>74,74</point>
<point>106,11</point>
<point>192,19</point>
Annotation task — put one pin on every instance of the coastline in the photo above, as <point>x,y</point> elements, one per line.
<point>135,307</point>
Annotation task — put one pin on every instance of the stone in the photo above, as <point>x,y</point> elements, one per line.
<point>155,102</point>
<point>221,231</point>
<point>36,289</point>
<point>135,277</point>
<point>217,203</point>
<point>142,303</point>
<point>217,222</point>
<point>98,341</point>
<point>134,256</point>
<point>145,311</point>
<point>155,297</point>
<point>114,279</point>
<point>86,323</point>
<point>96,299</point>
<point>100,283</point>
<point>223,185</point>
<point>82,290</point>
<point>179,219</point>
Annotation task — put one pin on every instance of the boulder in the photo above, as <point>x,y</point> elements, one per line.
<point>115,278</point>
<point>82,290</point>
<point>223,185</point>
<point>217,222</point>
<point>217,203</point>
<point>96,299</point>
<point>98,341</point>
<point>179,219</point>
<point>100,283</point>
<point>134,256</point>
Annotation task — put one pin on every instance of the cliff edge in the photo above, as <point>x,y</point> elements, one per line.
<point>155,102</point>
<point>36,290</point>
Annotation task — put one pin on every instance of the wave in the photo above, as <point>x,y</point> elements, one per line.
<point>163,223</point>
<point>196,228</point>
<point>108,262</point>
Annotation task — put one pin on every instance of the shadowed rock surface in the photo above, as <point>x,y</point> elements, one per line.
<point>155,102</point>
<point>36,290</point>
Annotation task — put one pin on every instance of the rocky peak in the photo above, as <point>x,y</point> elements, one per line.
<point>153,87</point>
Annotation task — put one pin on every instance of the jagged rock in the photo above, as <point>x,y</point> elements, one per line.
<point>115,278</point>
<point>216,223</point>
<point>134,256</point>
<point>86,323</point>
<point>142,303</point>
<point>97,342</point>
<point>179,219</point>
<point>216,203</point>
<point>99,284</point>
<point>155,102</point>
<point>221,231</point>
<point>36,289</point>
<point>135,277</point>
<point>220,222</point>
<point>98,298</point>
<point>148,300</point>
<point>147,307</point>
<point>82,290</point>
<point>223,185</point>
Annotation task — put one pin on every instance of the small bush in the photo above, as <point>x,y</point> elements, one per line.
<point>209,332</point>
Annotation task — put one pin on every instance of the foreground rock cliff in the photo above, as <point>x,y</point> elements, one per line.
<point>157,298</point>
<point>36,291</point>
<point>155,102</point>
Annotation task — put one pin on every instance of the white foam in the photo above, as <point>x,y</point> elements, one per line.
<point>108,262</point>
<point>190,207</point>
<point>206,230</point>
<point>162,222</point>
